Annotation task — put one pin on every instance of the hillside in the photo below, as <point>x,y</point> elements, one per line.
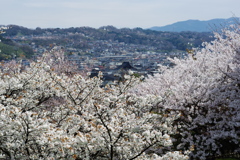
<point>107,38</point>
<point>11,50</point>
<point>196,25</point>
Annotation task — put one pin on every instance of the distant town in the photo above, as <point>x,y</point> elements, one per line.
<point>107,49</point>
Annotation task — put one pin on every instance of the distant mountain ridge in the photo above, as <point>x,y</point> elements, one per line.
<point>196,25</point>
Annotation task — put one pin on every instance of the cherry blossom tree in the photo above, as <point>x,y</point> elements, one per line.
<point>47,114</point>
<point>204,88</point>
<point>58,62</point>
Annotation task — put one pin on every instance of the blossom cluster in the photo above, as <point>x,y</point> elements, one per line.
<point>204,88</point>
<point>48,114</point>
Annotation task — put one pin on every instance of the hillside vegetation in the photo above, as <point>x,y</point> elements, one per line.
<point>82,37</point>
<point>10,50</point>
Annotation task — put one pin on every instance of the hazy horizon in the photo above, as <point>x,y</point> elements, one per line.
<point>117,13</point>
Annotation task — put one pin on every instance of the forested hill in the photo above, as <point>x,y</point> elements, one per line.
<point>163,41</point>
<point>197,25</point>
<point>10,50</point>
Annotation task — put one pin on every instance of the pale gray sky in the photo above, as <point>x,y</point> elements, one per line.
<point>119,13</point>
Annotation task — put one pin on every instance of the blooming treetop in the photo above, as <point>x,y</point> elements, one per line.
<point>205,90</point>
<point>50,115</point>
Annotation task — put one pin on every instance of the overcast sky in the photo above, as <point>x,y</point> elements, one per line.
<point>119,13</point>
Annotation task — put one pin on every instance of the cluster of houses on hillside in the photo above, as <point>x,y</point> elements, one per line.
<point>112,58</point>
